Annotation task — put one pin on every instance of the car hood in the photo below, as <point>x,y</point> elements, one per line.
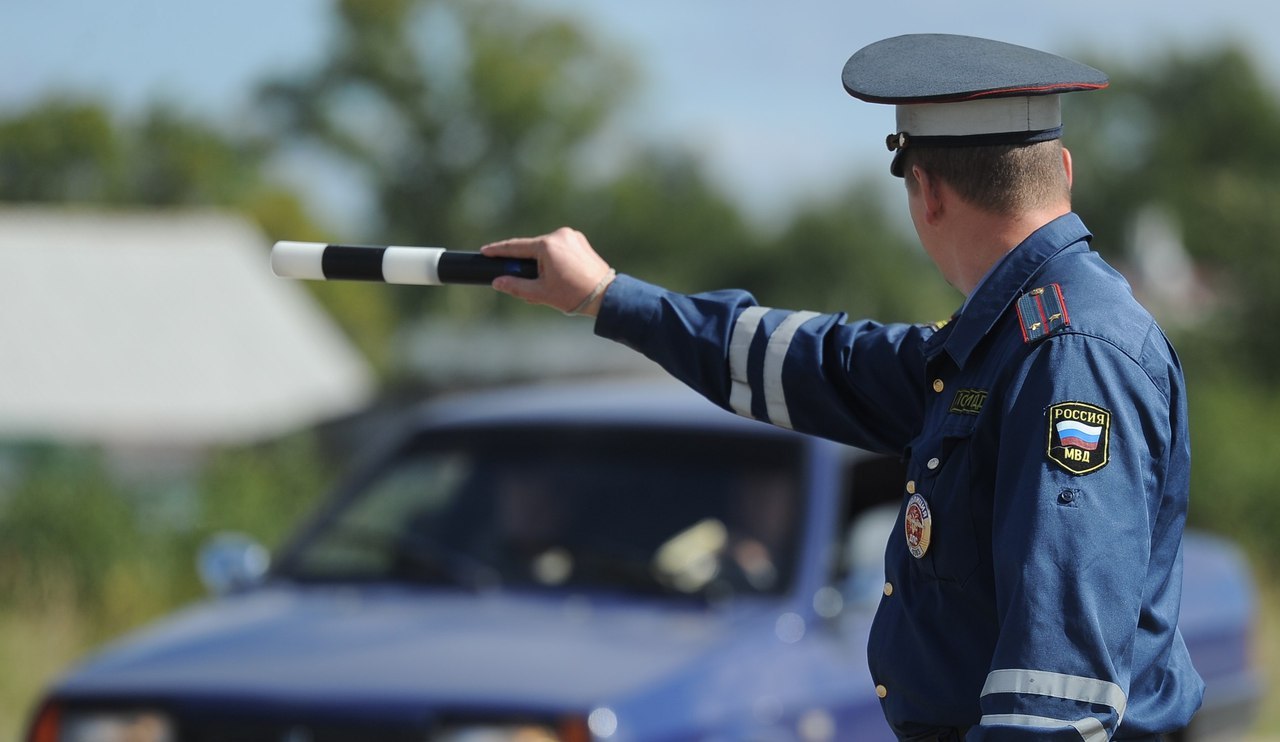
<point>388,645</point>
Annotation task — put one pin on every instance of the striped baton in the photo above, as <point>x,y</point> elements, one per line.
<point>424,266</point>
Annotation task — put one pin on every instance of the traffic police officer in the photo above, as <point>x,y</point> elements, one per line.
<point>1033,579</point>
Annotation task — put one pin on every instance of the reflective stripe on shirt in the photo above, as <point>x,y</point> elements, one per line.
<point>1056,685</point>
<point>1090,729</point>
<point>775,355</point>
<point>745,329</point>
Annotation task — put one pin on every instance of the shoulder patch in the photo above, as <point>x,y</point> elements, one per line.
<point>1042,312</point>
<point>1079,436</point>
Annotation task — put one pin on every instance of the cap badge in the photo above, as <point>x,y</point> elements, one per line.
<point>1079,436</point>
<point>919,526</point>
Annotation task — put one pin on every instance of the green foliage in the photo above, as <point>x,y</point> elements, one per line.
<point>178,161</point>
<point>60,151</point>
<point>662,219</point>
<point>469,120</point>
<point>68,151</point>
<point>464,118</point>
<point>1234,445</point>
<point>58,519</point>
<point>263,491</point>
<point>88,552</point>
<point>74,527</point>
<point>1194,134</point>
<point>849,256</point>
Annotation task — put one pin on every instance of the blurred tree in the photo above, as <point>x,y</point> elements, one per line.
<point>853,255</point>
<point>68,151</point>
<point>1195,136</point>
<point>467,120</point>
<point>60,150</point>
<point>73,151</point>
<point>476,120</point>
<point>178,161</point>
<point>663,220</point>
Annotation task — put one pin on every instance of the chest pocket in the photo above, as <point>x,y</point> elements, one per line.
<point>944,474</point>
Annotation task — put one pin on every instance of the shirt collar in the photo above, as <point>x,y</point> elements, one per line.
<point>1003,284</point>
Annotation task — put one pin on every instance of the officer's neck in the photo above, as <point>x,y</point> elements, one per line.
<point>968,240</point>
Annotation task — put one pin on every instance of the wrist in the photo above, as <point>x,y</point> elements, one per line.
<point>590,305</point>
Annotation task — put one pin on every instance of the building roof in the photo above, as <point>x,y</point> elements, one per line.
<point>160,328</point>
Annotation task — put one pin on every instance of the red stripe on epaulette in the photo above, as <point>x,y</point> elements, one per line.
<point>1042,312</point>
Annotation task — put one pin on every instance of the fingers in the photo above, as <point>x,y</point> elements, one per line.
<point>521,288</point>
<point>569,269</point>
<point>514,248</point>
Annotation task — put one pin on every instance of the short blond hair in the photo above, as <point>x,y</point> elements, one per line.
<point>1003,179</point>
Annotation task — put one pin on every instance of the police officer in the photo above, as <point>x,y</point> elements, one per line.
<point>1034,576</point>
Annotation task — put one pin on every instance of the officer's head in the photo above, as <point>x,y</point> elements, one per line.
<point>982,115</point>
<point>1004,179</point>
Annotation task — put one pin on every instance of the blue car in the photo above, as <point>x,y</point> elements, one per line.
<point>593,562</point>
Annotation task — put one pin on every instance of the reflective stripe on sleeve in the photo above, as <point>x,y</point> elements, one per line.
<point>1056,685</point>
<point>744,331</point>
<point>775,356</point>
<point>1090,729</point>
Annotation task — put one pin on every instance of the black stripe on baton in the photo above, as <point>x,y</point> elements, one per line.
<point>345,262</point>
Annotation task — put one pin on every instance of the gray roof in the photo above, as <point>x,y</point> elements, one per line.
<point>160,328</point>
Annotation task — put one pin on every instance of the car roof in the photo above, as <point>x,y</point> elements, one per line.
<point>641,403</point>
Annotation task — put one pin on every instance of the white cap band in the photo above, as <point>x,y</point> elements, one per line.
<point>983,116</point>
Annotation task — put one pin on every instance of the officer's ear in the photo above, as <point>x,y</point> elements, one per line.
<point>1066,165</point>
<point>931,193</point>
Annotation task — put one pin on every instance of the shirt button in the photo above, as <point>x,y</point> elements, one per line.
<point>882,691</point>
<point>911,487</point>
<point>938,386</point>
<point>888,589</point>
<point>933,463</point>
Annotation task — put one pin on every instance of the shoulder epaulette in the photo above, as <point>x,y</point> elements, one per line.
<point>1042,312</point>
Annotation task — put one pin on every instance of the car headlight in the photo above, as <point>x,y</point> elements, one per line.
<point>568,730</point>
<point>500,733</point>
<point>56,724</point>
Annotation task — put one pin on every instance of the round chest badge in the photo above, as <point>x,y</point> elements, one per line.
<point>919,525</point>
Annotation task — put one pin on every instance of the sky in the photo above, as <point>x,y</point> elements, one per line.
<point>753,86</point>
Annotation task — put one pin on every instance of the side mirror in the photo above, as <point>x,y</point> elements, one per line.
<point>229,562</point>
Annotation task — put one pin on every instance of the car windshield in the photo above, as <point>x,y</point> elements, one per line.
<point>581,508</point>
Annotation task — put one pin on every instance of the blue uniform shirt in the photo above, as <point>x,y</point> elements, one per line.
<point>1034,577</point>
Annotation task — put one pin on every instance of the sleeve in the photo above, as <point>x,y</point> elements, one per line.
<point>858,383</point>
<point>1084,433</point>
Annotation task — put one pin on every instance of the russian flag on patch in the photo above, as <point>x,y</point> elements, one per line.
<point>1079,436</point>
<point>1075,433</point>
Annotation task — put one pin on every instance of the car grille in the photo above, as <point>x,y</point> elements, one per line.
<point>249,730</point>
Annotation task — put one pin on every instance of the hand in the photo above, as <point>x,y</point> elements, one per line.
<point>569,270</point>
